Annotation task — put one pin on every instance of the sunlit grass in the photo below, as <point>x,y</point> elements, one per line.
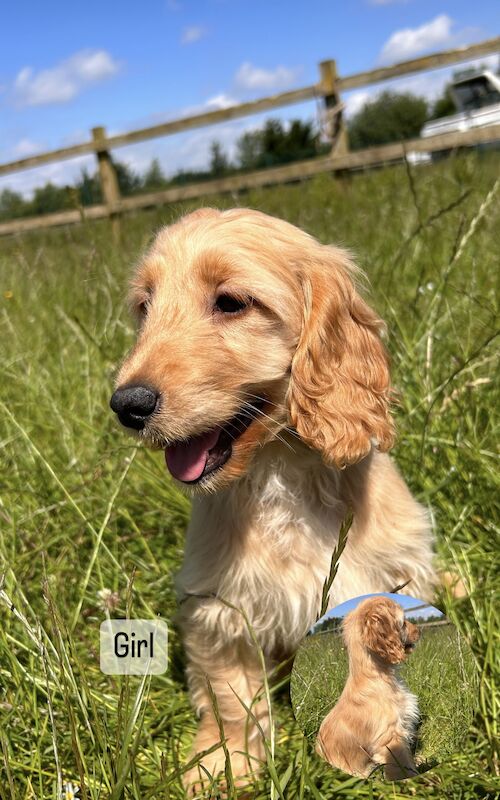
<point>83,510</point>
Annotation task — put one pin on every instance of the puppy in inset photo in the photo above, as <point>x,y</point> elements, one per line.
<point>374,721</point>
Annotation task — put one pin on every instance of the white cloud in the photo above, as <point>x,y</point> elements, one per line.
<point>250,77</point>
<point>355,101</point>
<point>66,80</point>
<point>221,100</point>
<point>410,42</point>
<point>193,34</point>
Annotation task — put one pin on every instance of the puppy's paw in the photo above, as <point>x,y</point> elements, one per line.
<point>211,777</point>
<point>220,768</point>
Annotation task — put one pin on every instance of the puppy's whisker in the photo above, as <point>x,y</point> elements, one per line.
<point>262,399</point>
<point>258,412</point>
<point>289,430</point>
<point>292,432</point>
<point>252,412</point>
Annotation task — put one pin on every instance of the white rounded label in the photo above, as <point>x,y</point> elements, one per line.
<point>133,646</point>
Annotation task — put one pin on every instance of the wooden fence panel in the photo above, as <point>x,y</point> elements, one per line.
<point>298,170</point>
<point>433,61</point>
<point>328,89</point>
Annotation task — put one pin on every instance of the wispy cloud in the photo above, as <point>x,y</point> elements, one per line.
<point>193,34</point>
<point>64,81</point>
<point>410,42</point>
<point>60,173</point>
<point>26,147</point>
<point>250,77</point>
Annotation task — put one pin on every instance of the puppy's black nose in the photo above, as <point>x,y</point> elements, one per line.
<point>133,405</point>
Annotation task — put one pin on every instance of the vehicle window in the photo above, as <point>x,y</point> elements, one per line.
<point>476,94</point>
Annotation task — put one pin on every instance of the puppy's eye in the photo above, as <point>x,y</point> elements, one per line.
<point>227,304</point>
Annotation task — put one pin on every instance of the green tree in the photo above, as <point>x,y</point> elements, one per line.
<point>128,181</point>
<point>273,143</point>
<point>154,177</point>
<point>190,176</point>
<point>249,147</point>
<point>12,205</point>
<point>89,189</point>
<point>50,198</point>
<point>219,163</point>
<point>390,117</point>
<point>444,105</point>
<point>277,144</point>
<point>302,141</point>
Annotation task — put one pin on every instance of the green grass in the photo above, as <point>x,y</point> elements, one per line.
<point>82,510</point>
<point>440,673</point>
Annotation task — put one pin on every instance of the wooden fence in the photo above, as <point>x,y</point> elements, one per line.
<point>327,90</point>
<point>337,632</point>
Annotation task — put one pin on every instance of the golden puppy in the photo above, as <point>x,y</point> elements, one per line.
<point>374,720</point>
<point>260,371</point>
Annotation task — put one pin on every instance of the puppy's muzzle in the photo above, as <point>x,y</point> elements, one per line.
<point>413,635</point>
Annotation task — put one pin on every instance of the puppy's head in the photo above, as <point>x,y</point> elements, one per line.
<point>380,624</point>
<point>247,325</point>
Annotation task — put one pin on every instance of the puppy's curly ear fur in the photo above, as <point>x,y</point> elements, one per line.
<point>381,635</point>
<point>339,395</point>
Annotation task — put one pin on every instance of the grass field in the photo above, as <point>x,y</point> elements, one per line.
<point>440,672</point>
<point>82,510</point>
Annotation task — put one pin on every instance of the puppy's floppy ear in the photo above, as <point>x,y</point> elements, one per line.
<point>381,635</point>
<point>339,394</point>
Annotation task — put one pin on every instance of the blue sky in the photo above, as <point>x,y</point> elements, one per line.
<point>66,67</point>
<point>406,602</point>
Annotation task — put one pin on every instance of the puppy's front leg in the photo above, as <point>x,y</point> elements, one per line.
<point>399,763</point>
<point>229,665</point>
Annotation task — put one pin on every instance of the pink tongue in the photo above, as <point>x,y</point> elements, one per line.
<point>187,461</point>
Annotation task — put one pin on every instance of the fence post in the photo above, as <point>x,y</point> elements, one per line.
<point>333,107</point>
<point>109,181</point>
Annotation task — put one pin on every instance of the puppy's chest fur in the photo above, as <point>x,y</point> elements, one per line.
<point>408,713</point>
<point>269,548</point>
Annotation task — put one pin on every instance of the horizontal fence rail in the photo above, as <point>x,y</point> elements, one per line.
<point>327,90</point>
<point>337,632</point>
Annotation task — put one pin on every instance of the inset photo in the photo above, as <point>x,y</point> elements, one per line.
<point>384,685</point>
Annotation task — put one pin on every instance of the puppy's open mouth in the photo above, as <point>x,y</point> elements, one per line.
<point>193,459</point>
